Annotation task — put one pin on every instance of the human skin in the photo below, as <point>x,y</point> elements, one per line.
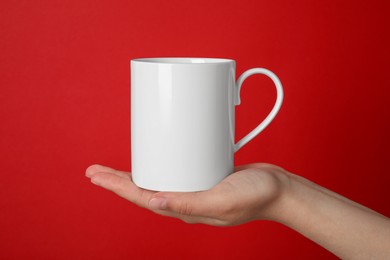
<point>266,192</point>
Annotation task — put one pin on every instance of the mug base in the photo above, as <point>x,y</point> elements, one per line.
<point>172,189</point>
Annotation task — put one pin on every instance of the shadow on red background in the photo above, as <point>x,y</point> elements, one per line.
<point>64,104</point>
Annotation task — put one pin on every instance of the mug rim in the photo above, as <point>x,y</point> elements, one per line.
<point>183,60</point>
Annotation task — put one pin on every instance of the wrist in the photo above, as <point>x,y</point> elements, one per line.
<point>278,207</point>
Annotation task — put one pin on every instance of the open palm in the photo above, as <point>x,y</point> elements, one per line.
<point>241,197</point>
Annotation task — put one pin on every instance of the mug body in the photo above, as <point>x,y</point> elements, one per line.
<point>182,122</point>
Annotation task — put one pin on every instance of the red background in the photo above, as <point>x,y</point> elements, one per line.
<point>64,104</point>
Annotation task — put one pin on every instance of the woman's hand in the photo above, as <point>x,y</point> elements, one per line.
<point>264,191</point>
<point>252,192</point>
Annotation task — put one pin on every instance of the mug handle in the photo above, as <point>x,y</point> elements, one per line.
<point>271,115</point>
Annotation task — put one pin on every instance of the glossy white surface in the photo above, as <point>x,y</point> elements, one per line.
<point>182,121</point>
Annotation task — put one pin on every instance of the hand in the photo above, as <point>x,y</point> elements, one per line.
<point>250,193</point>
<point>264,191</point>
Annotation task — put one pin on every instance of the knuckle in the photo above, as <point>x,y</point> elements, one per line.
<point>184,209</point>
<point>141,199</point>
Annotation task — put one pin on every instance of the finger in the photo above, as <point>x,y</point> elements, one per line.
<point>123,187</point>
<point>91,170</point>
<point>184,204</point>
<point>147,199</point>
<point>192,219</point>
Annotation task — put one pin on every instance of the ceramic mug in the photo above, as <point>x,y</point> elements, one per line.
<point>182,121</point>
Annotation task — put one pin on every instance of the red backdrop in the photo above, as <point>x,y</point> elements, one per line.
<point>64,104</point>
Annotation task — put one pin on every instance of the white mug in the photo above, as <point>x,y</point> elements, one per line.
<point>182,121</point>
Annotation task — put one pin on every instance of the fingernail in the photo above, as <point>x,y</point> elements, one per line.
<point>158,203</point>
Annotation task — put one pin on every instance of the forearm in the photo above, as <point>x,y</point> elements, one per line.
<point>349,230</point>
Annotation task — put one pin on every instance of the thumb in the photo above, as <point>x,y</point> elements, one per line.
<point>203,203</point>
